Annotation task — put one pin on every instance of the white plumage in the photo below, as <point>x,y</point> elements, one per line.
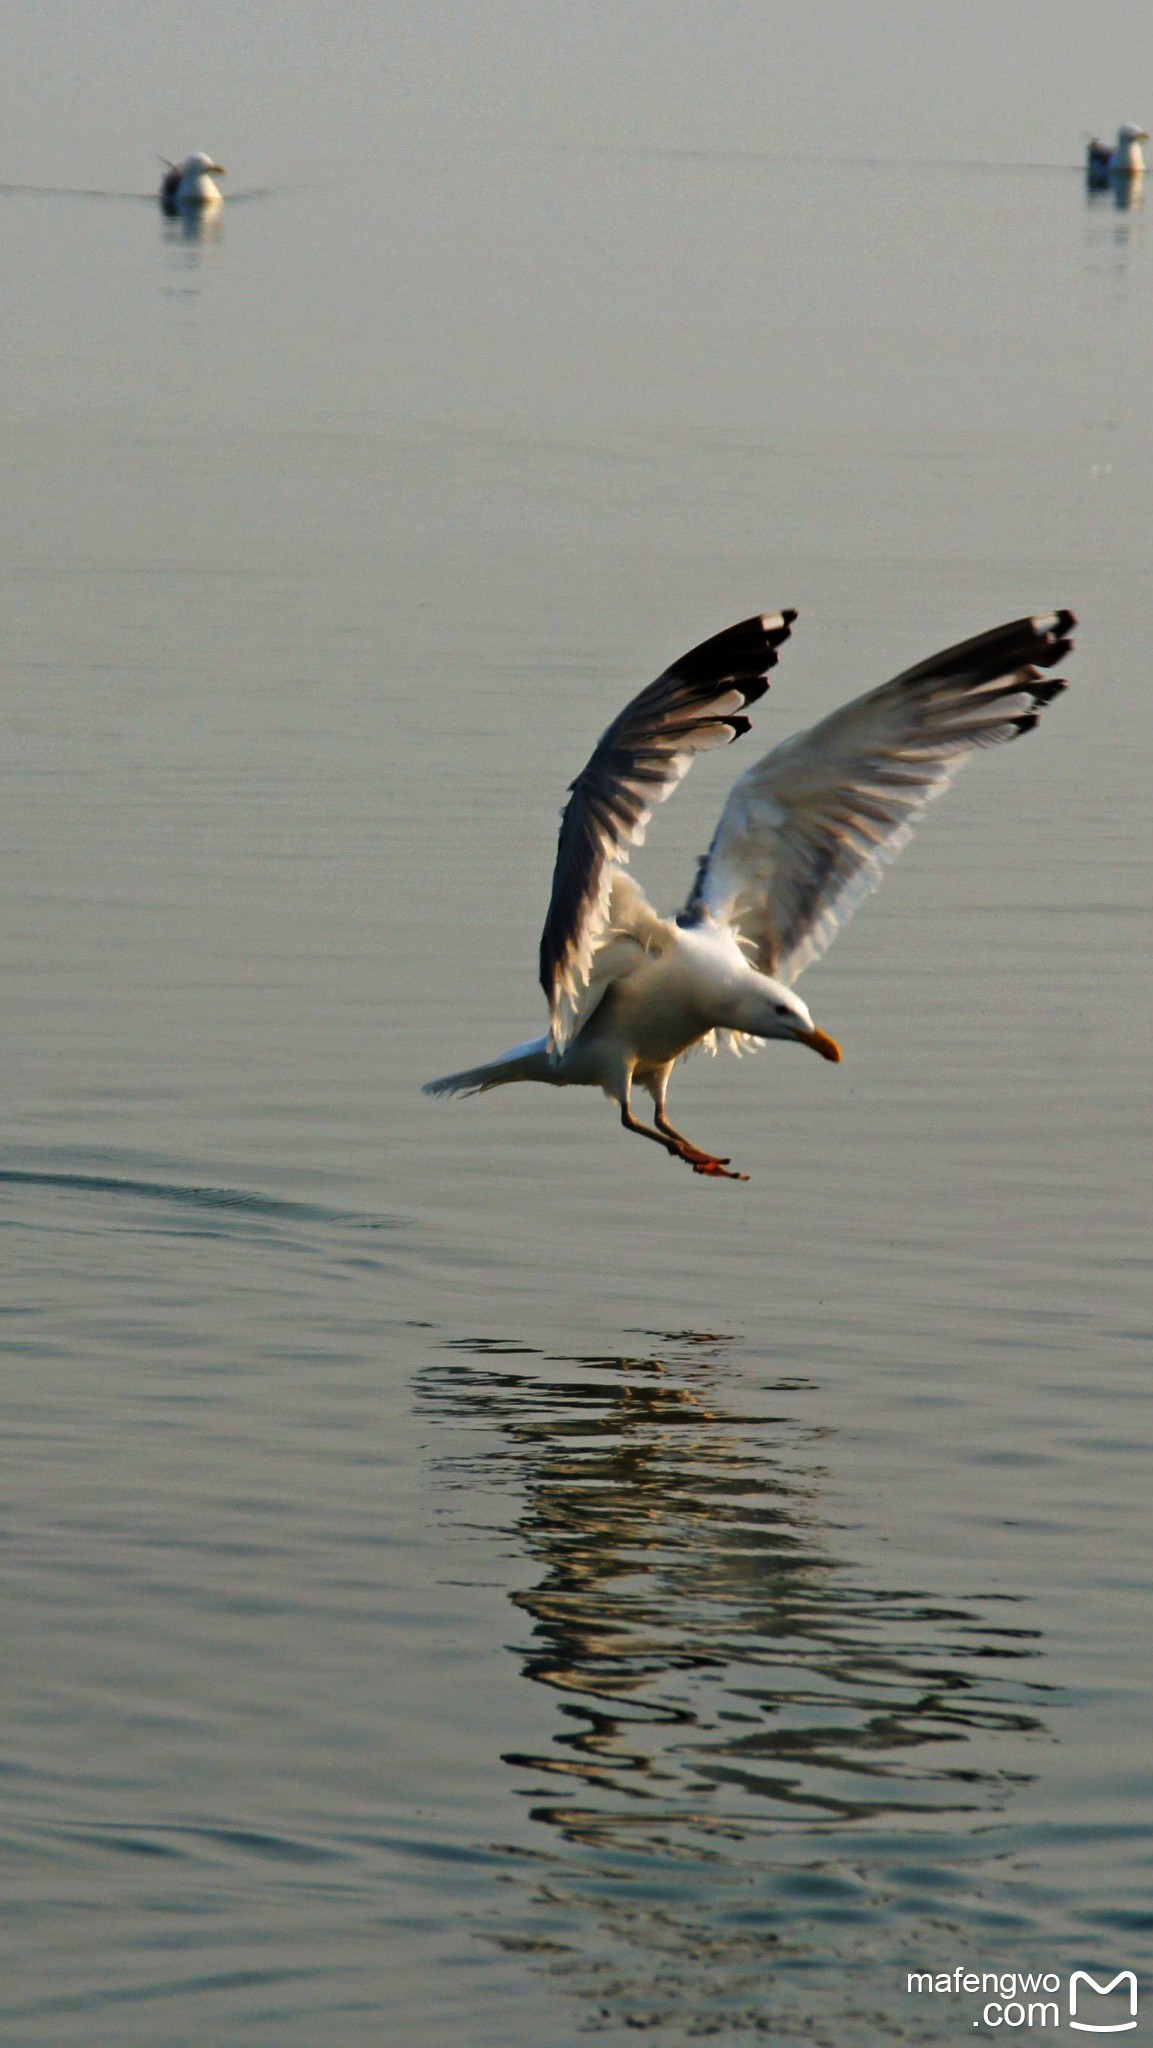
<point>190,186</point>
<point>805,834</point>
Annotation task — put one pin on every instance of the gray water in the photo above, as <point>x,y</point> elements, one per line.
<point>466,1579</point>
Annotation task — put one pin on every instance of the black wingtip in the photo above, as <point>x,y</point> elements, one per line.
<point>1055,635</point>
<point>741,652</point>
<point>1044,693</point>
<point>1038,642</point>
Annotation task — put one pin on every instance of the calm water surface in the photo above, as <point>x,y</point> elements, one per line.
<point>467,1580</point>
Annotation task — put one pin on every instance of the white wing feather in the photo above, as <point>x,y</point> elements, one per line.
<point>807,832</point>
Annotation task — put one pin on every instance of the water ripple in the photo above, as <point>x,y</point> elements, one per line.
<point>240,1200</point>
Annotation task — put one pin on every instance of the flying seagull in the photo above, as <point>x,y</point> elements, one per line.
<point>805,834</point>
<point>191,185</point>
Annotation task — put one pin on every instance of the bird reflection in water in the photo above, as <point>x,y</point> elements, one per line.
<point>1120,195</point>
<point>193,228</point>
<point>721,1673</point>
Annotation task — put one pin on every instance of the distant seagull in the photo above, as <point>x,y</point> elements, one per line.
<point>1124,159</point>
<point>803,837</point>
<point>189,187</point>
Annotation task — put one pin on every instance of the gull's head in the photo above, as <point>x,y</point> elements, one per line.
<point>1129,132</point>
<point>778,1012</point>
<point>198,165</point>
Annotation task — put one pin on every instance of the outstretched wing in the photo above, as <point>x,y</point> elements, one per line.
<point>637,763</point>
<point>808,831</point>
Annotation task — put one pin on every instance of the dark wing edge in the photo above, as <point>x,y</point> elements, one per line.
<point>1001,655</point>
<point>641,757</point>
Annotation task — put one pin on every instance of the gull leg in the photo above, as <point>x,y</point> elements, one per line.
<point>680,1148</point>
<point>631,1123</point>
<point>701,1162</point>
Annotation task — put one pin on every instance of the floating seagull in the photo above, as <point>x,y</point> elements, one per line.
<point>803,837</point>
<point>1124,159</point>
<point>189,186</point>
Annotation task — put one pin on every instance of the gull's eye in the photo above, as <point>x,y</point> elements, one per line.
<point>783,1010</point>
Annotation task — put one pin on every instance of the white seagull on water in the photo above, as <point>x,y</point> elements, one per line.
<point>1121,160</point>
<point>191,186</point>
<point>804,836</point>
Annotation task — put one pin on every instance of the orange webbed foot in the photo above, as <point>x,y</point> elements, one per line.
<point>716,1169</point>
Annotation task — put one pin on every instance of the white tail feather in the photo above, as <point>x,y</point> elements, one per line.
<point>528,1062</point>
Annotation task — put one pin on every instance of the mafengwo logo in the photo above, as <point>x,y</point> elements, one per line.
<point>1031,1999</point>
<point>1080,1983</point>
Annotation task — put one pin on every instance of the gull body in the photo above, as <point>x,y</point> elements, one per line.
<point>674,999</point>
<point>1124,159</point>
<point>1128,160</point>
<point>698,982</point>
<point>804,835</point>
<point>190,186</point>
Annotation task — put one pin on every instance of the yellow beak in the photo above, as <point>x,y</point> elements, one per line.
<point>822,1043</point>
